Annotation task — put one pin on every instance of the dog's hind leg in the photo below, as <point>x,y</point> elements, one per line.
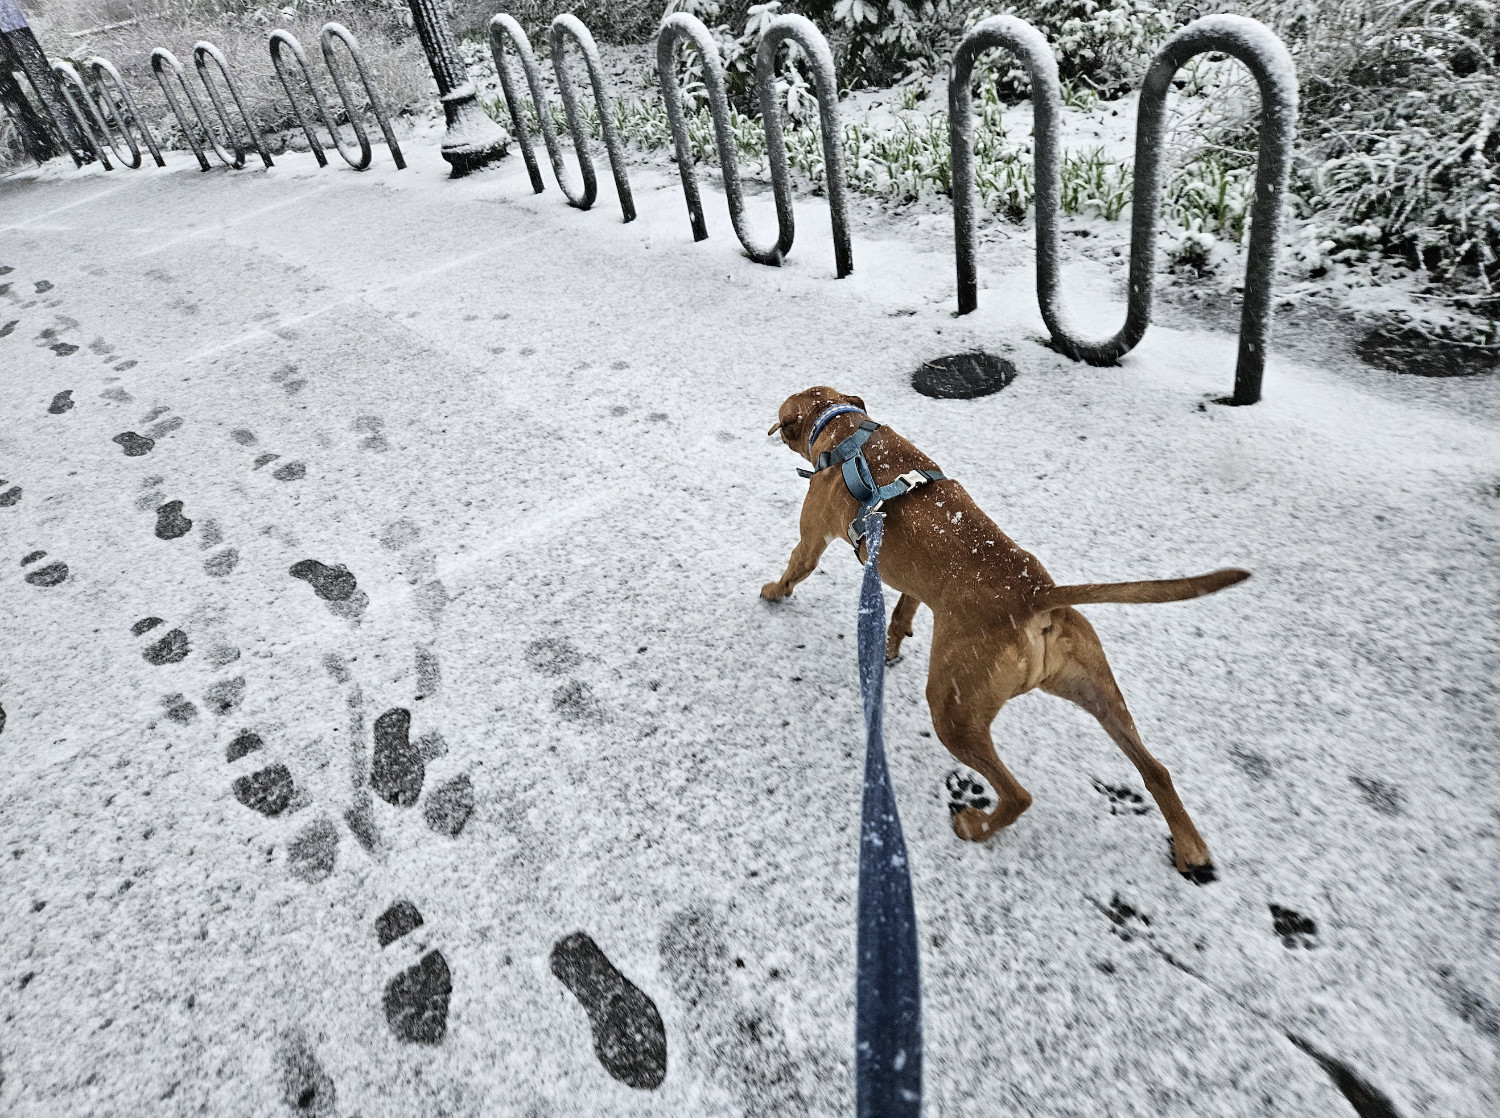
<point>964,693</point>
<point>1082,676</point>
<point>900,628</point>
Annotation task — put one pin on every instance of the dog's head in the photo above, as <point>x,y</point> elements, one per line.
<point>800,410</point>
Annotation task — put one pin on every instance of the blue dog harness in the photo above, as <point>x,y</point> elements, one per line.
<point>859,478</point>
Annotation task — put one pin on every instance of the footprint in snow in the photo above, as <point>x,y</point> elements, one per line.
<point>52,574</point>
<point>169,649</point>
<point>62,402</point>
<point>416,999</point>
<point>1294,929</point>
<point>9,328</point>
<point>133,445</point>
<point>9,496</point>
<point>305,1086</point>
<point>629,1038</point>
<point>268,790</point>
<point>332,584</point>
<point>1122,800</point>
<point>170,523</point>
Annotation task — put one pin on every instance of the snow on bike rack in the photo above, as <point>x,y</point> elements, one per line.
<point>502,27</point>
<point>163,59</point>
<point>90,123</point>
<point>284,39</point>
<point>102,68</point>
<point>681,26</point>
<point>1253,44</point>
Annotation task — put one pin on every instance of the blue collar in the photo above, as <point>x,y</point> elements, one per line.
<point>822,421</point>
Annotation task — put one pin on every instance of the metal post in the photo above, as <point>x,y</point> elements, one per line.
<point>473,140</point>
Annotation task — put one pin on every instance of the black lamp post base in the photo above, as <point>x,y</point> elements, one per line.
<point>467,157</point>
<point>473,139</point>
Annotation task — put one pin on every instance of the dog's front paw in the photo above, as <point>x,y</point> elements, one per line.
<point>772,592</point>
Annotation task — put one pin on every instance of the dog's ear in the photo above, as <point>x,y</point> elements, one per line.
<point>857,402</point>
<point>774,428</point>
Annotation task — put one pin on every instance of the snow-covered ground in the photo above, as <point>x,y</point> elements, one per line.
<point>535,437</point>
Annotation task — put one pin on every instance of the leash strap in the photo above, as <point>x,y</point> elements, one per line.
<point>888,980</point>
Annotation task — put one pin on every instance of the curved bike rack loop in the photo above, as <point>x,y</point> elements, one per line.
<point>205,50</point>
<point>805,34</point>
<point>1246,39</point>
<point>163,60</point>
<point>102,68</point>
<point>285,39</point>
<point>87,114</point>
<point>503,27</point>
<point>681,26</point>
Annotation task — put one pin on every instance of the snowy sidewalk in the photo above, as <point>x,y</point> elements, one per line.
<point>535,437</point>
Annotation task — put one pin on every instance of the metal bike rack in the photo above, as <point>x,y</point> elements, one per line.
<point>1253,44</point>
<point>502,27</point>
<point>285,39</point>
<point>681,26</point>
<point>90,125</point>
<point>161,59</point>
<point>100,69</point>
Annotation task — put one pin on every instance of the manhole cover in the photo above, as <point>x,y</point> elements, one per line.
<point>1416,354</point>
<point>963,376</point>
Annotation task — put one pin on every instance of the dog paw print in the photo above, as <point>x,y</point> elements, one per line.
<point>61,403</point>
<point>290,382</point>
<point>1122,800</point>
<point>52,574</point>
<point>370,426</point>
<point>416,997</point>
<point>1384,798</point>
<point>1294,929</point>
<point>629,1038</point>
<point>967,790</point>
<point>1128,921</point>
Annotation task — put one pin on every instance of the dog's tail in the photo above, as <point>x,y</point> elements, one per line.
<point>1134,593</point>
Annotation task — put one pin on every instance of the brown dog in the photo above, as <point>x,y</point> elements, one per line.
<point>1001,627</point>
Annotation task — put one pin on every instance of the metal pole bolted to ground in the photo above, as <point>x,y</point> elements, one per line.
<point>473,140</point>
<point>1245,39</point>
<point>888,982</point>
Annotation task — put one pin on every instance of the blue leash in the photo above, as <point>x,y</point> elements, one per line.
<point>888,982</point>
